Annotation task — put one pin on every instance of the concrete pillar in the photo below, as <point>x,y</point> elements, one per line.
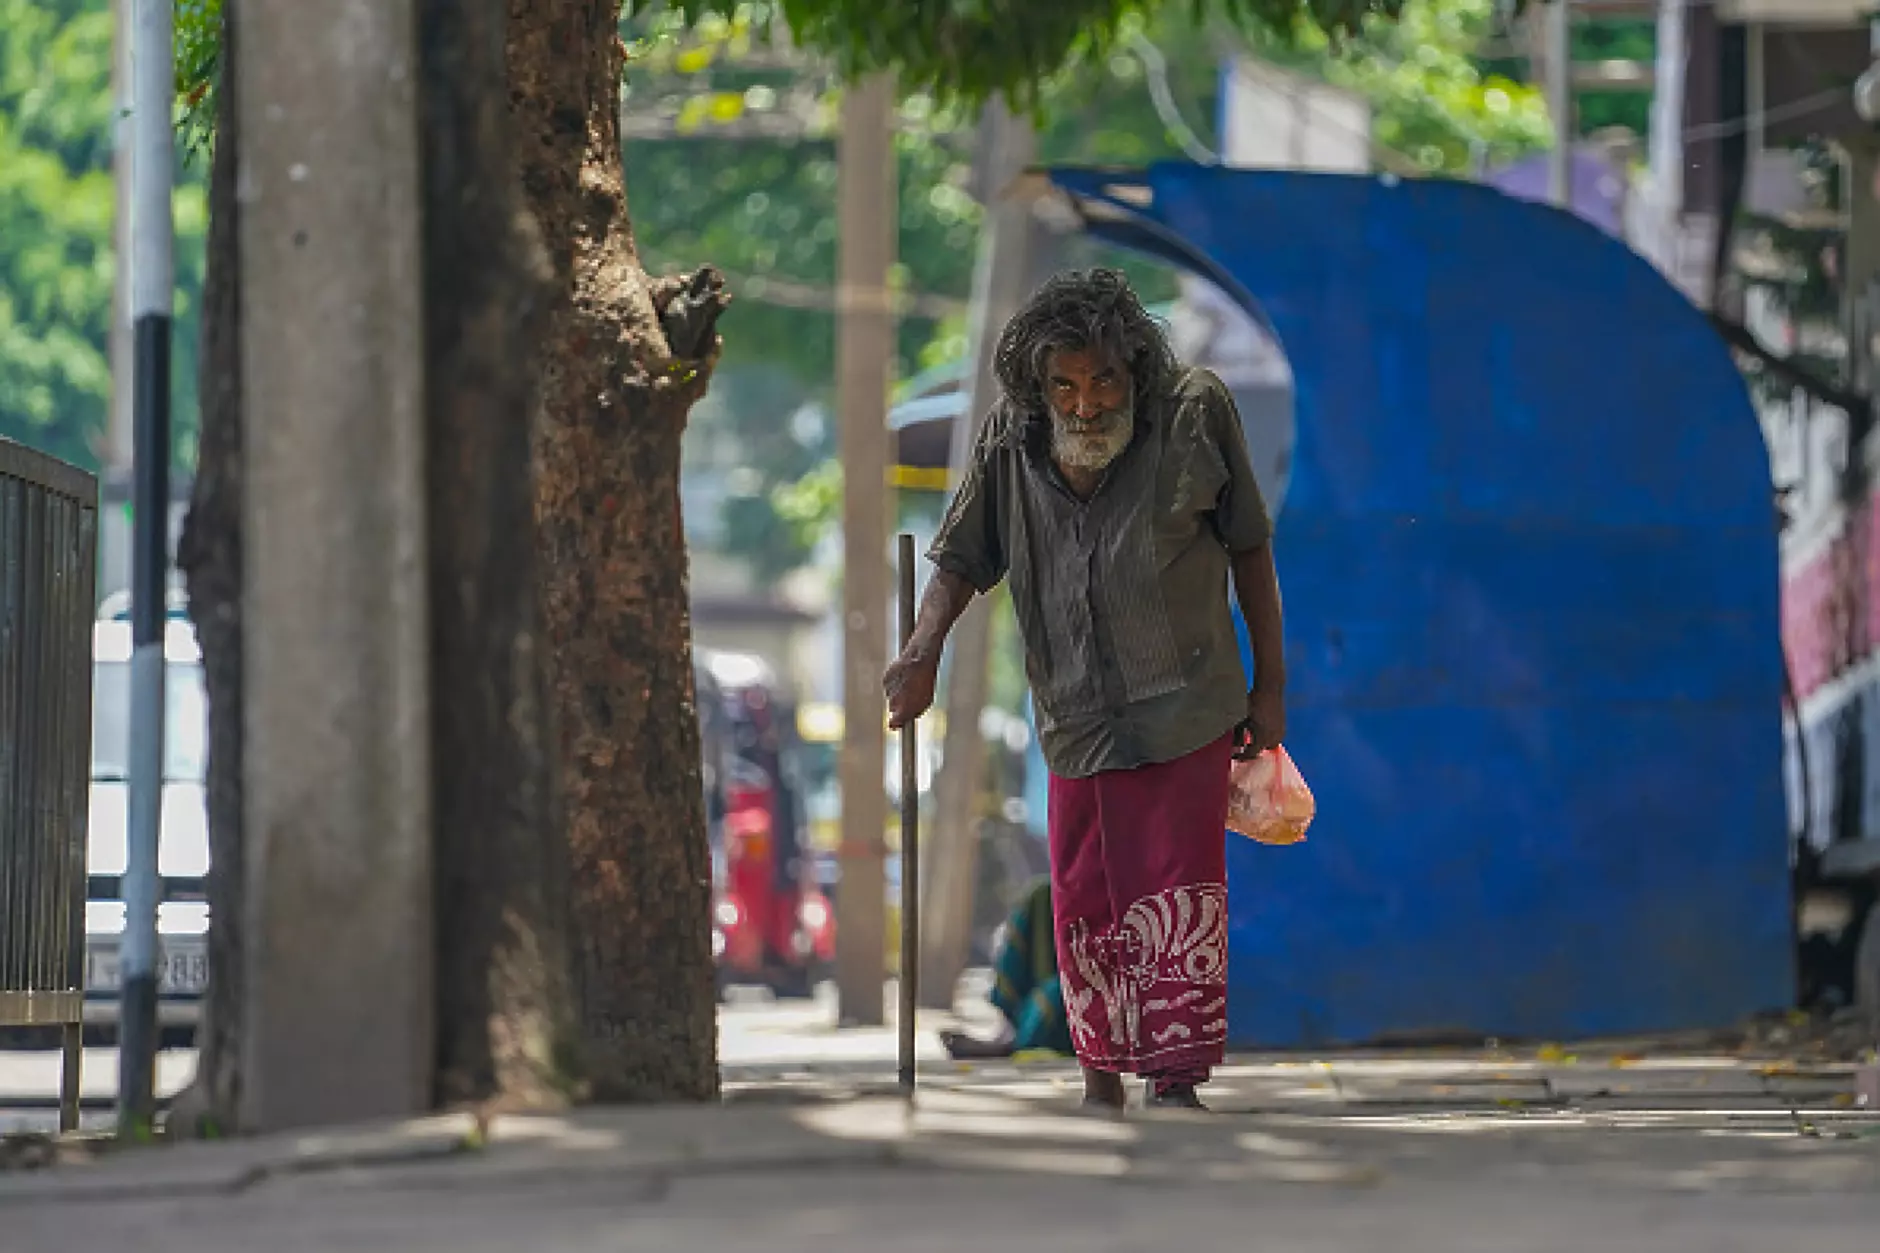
<point>1861,155</point>
<point>338,1021</point>
<point>869,223</point>
<point>1001,282</point>
<point>1554,28</point>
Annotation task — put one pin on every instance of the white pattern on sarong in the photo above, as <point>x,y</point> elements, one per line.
<point>1177,936</point>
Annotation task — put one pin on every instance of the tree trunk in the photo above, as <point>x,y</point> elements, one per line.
<point>504,994</point>
<point>503,974</point>
<point>210,554</point>
<point>623,361</point>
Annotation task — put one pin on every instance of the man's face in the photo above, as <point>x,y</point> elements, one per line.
<point>1092,408</point>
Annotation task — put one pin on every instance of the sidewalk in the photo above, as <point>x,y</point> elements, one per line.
<point>1405,1152</point>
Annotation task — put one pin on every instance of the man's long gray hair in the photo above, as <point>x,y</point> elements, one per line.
<point>1083,311</point>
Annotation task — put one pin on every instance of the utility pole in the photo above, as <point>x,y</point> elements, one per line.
<point>868,217</point>
<point>1008,146</point>
<point>338,988</point>
<point>1861,164</point>
<point>1560,108</point>
<point>1861,174</point>
<point>120,443</point>
<point>152,304</point>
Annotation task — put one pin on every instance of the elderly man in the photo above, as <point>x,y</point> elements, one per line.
<point>1113,488</point>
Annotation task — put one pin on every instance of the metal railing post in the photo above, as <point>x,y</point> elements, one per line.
<point>48,598</point>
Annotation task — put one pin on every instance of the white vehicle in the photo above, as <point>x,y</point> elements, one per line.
<point>183,856</point>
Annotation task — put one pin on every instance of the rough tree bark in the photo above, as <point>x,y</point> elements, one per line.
<point>504,987</point>
<point>210,553</point>
<point>623,361</point>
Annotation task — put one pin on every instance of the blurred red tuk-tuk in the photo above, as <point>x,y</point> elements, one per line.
<point>772,924</point>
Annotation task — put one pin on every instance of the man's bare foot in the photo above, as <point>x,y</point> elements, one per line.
<point>1103,1088</point>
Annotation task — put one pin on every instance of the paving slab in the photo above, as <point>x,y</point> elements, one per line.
<point>1339,1124</point>
<point>232,1165</point>
<point>873,1173</point>
<point>1815,1089</point>
<point>1572,1082</point>
<point>1457,1093</point>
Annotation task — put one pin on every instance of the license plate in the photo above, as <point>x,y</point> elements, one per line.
<point>182,970</point>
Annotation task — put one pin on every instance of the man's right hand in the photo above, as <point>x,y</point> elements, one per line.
<point>909,684</point>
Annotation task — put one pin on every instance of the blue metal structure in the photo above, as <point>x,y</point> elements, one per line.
<point>1529,559</point>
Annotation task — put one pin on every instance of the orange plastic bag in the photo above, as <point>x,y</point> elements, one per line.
<point>1268,799</point>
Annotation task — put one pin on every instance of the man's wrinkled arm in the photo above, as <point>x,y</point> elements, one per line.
<point>946,598</point>
<point>1256,587</point>
<point>968,554</point>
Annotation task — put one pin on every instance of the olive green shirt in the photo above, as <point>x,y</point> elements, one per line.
<point>1122,600</point>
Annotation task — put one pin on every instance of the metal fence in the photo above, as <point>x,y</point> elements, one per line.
<point>48,580</point>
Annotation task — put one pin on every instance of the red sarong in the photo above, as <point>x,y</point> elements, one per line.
<point>1139,890</point>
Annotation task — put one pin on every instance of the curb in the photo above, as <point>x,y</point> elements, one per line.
<point>225,1168</point>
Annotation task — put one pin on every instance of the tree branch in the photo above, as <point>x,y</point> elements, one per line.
<point>1741,338</point>
<point>689,306</point>
<point>790,294</point>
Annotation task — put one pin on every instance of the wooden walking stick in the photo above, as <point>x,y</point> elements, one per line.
<point>910,840</point>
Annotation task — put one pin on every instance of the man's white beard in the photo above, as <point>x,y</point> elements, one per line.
<point>1097,446</point>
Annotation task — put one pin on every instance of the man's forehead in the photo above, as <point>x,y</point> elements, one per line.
<point>1082,361</point>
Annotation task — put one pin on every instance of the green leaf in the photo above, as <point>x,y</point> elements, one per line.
<point>57,206</point>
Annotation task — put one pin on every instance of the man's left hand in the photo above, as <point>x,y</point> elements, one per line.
<point>1264,727</point>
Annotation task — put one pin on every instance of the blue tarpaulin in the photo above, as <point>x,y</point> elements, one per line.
<point>1528,555</point>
